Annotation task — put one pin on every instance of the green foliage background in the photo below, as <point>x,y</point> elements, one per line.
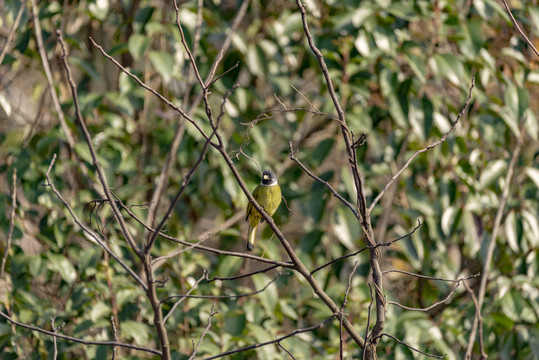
<point>402,70</point>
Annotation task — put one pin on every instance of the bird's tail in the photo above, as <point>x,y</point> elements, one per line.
<point>251,238</point>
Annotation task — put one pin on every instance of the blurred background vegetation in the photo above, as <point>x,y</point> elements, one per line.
<point>402,70</point>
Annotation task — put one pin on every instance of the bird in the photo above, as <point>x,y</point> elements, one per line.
<point>268,195</point>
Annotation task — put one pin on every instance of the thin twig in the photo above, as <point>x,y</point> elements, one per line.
<point>520,31</point>
<point>87,230</point>
<point>431,277</point>
<point>479,320</point>
<point>93,153</point>
<point>429,307</point>
<point>244,275</point>
<point>413,348</point>
<point>77,340</point>
<point>256,346</point>
<point>196,43</point>
<point>178,252</point>
<point>177,303</point>
<point>420,151</point>
<point>11,221</point>
<point>293,156</point>
<point>288,352</point>
<point>425,149</point>
<point>114,335</point>
<point>50,81</point>
<point>492,240</point>
<point>183,186</point>
<point>12,32</point>
<point>53,319</point>
<point>150,89</point>
<point>215,297</point>
<point>344,303</point>
<point>367,247</point>
<point>212,314</point>
<point>352,273</point>
<point>361,202</point>
<point>207,248</point>
<point>367,341</point>
<point>240,14</point>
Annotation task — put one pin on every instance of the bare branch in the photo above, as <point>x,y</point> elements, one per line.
<point>207,248</point>
<point>345,300</point>
<point>288,352</point>
<point>293,156</point>
<point>425,149</point>
<point>183,186</point>
<point>431,277</point>
<point>367,247</point>
<point>212,314</point>
<point>43,54</point>
<point>458,281</point>
<point>480,324</point>
<point>256,346</point>
<point>492,241</point>
<point>114,335</point>
<point>244,275</point>
<point>367,341</point>
<point>429,307</point>
<point>520,31</point>
<point>216,297</point>
<point>413,348</point>
<point>88,231</point>
<point>177,303</point>
<point>93,153</point>
<point>77,340</point>
<point>12,32</point>
<point>11,221</point>
<point>148,88</point>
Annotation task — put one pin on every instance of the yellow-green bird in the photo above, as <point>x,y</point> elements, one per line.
<point>268,195</point>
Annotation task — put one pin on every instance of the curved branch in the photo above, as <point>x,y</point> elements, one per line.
<point>74,339</point>
<point>425,149</point>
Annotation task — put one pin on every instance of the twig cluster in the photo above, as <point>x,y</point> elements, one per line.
<point>372,334</point>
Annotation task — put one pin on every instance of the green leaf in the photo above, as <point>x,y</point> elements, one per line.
<point>492,172</point>
<point>531,227</point>
<point>450,67</point>
<point>137,45</point>
<point>269,296</point>
<point>83,152</point>
<point>62,265</point>
<point>99,9</point>
<point>345,228</point>
<point>99,311</point>
<point>448,220</point>
<point>135,330</point>
<point>511,231</point>
<point>234,322</point>
<point>417,65</point>
<point>86,66</point>
<point>228,266</point>
<point>533,174</point>
<point>531,124</point>
<point>254,61</point>
<point>162,61</point>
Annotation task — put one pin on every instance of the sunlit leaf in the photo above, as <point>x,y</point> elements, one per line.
<point>163,63</point>
<point>137,331</point>
<point>137,45</point>
<point>511,231</point>
<point>61,264</point>
<point>492,172</point>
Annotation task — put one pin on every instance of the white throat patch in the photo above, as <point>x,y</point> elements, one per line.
<point>271,184</point>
